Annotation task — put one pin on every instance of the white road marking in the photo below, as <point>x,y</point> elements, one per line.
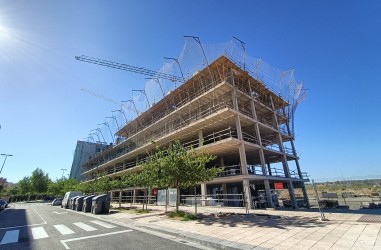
<point>38,214</point>
<point>85,226</point>
<point>39,233</point>
<point>59,213</point>
<point>10,237</point>
<point>103,224</point>
<point>92,236</point>
<point>63,229</point>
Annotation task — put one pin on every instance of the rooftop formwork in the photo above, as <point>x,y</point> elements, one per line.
<point>224,110</point>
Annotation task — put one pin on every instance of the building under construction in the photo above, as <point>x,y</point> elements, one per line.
<point>224,110</point>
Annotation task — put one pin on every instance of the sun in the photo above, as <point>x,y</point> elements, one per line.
<point>4,32</point>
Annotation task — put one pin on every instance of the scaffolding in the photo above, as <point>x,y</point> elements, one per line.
<point>224,108</point>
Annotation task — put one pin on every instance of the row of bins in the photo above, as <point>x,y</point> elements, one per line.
<point>94,204</point>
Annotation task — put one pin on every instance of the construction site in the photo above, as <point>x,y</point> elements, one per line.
<point>218,100</point>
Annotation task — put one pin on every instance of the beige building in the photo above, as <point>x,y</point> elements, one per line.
<point>223,111</point>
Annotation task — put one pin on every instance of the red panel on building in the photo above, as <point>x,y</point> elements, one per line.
<point>278,185</point>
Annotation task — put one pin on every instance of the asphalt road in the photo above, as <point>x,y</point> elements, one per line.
<point>41,226</point>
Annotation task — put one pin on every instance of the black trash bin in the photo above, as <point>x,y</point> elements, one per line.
<point>72,202</point>
<point>87,201</point>
<point>79,203</point>
<point>101,204</point>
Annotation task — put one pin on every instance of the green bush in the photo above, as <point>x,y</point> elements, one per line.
<point>181,215</point>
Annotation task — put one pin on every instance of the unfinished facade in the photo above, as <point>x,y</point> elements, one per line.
<point>224,111</point>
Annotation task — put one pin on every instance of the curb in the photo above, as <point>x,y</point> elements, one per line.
<point>206,241</point>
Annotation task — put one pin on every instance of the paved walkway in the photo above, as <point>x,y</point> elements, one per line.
<point>263,229</point>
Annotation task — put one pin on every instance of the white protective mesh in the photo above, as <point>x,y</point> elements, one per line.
<point>192,59</point>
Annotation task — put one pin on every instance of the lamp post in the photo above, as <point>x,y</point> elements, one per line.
<point>63,171</point>
<point>6,156</point>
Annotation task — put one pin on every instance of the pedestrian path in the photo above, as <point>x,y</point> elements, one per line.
<point>40,232</point>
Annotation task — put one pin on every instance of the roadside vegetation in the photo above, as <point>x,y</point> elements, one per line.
<point>176,167</point>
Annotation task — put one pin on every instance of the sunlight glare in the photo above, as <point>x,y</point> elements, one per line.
<point>4,32</point>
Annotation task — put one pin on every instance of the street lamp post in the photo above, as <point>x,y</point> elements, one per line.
<point>6,156</point>
<point>63,171</point>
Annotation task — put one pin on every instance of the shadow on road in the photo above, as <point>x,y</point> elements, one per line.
<point>260,220</point>
<point>15,219</point>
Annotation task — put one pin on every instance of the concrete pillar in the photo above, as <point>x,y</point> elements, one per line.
<point>222,162</point>
<point>292,194</point>
<point>134,196</point>
<point>258,135</point>
<point>200,138</point>
<point>203,194</point>
<point>305,196</point>
<point>284,158</point>
<point>247,193</point>
<point>270,202</point>
<point>120,196</point>
<point>242,152</point>
<point>224,192</point>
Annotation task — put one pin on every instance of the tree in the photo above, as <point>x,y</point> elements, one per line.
<point>25,186</point>
<point>3,184</point>
<point>104,184</point>
<point>121,182</point>
<point>39,181</point>
<point>179,167</point>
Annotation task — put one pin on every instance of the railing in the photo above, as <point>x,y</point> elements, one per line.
<point>230,170</point>
<point>162,132</point>
<point>254,169</point>
<point>277,172</point>
<point>211,138</point>
<point>270,145</point>
<point>266,121</point>
<point>245,111</point>
<point>249,138</point>
<point>229,200</point>
<point>173,106</point>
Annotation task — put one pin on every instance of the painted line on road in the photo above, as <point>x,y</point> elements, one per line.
<point>59,213</point>
<point>10,237</point>
<point>38,214</point>
<point>64,230</point>
<point>85,226</point>
<point>39,233</point>
<point>103,224</point>
<point>92,236</point>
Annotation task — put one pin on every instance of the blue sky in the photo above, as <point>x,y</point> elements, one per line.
<point>333,45</point>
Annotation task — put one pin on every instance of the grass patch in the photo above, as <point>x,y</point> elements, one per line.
<point>142,211</point>
<point>181,215</point>
<point>131,210</point>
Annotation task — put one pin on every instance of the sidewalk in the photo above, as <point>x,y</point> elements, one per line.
<point>262,229</point>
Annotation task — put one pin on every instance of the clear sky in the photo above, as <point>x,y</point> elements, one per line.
<point>333,45</point>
